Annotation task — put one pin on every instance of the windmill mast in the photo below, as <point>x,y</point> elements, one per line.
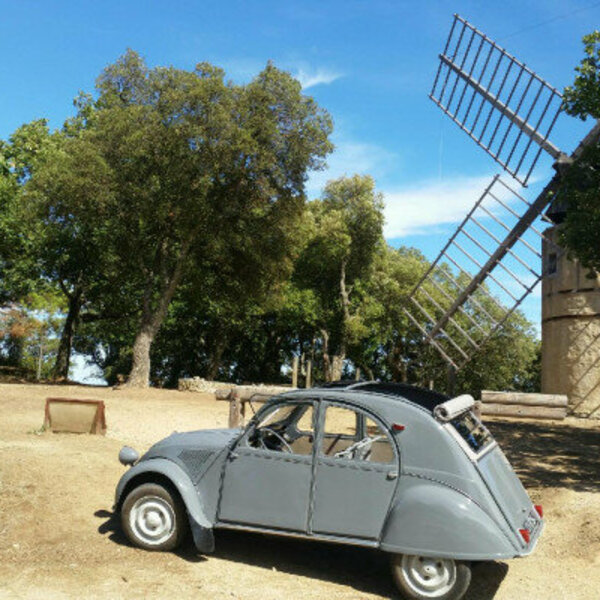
<point>488,266</point>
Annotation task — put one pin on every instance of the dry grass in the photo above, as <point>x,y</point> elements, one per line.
<point>59,539</point>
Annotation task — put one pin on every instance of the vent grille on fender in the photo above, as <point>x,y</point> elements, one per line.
<point>195,461</point>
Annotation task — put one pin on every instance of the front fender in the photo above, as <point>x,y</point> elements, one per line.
<point>161,468</point>
<point>431,519</point>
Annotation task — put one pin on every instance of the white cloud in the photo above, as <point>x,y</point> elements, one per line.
<point>310,78</point>
<point>416,209</point>
<point>244,69</point>
<point>350,157</point>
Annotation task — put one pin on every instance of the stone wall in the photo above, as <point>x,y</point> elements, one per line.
<point>199,384</point>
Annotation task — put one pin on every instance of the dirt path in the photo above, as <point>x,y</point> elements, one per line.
<point>59,539</point>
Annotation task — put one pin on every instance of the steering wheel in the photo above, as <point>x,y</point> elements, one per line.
<point>284,445</point>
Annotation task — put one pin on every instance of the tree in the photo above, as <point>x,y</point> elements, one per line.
<point>28,333</point>
<point>204,171</point>
<point>580,188</point>
<point>65,208</point>
<point>347,234</point>
<point>582,99</point>
<point>19,272</point>
<point>393,349</point>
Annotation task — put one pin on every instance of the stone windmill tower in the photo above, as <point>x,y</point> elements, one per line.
<point>570,319</point>
<point>507,243</point>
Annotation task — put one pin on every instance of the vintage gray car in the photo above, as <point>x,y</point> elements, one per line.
<point>388,466</point>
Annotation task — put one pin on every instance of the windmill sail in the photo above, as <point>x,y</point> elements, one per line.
<point>458,311</point>
<point>502,105</point>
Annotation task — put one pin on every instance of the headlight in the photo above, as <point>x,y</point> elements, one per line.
<point>128,456</point>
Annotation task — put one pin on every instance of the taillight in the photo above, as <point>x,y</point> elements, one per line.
<point>539,510</point>
<point>398,427</point>
<point>525,535</point>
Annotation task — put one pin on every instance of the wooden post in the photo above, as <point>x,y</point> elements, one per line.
<point>234,409</point>
<point>450,380</point>
<point>295,372</point>
<point>357,375</point>
<point>308,373</point>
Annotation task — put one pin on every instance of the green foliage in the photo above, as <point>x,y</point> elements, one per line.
<point>167,219</point>
<point>582,99</point>
<point>580,188</point>
<point>19,273</point>
<point>206,173</point>
<point>29,333</point>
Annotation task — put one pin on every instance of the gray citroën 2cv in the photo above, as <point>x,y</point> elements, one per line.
<point>389,466</point>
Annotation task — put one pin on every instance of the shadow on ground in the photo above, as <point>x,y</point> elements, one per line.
<point>112,527</point>
<point>367,571</point>
<point>550,454</point>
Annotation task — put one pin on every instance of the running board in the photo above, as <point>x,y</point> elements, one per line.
<point>299,535</point>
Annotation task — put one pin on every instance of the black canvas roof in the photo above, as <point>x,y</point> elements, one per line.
<point>428,399</point>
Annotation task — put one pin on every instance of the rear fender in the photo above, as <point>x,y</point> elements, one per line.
<point>431,519</point>
<point>161,469</point>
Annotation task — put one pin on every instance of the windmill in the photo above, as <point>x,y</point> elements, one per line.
<point>493,260</point>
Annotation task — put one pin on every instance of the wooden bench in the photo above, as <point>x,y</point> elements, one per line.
<point>524,405</point>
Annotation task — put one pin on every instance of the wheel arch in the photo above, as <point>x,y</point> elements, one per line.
<point>149,477</point>
<point>428,518</point>
<point>170,475</point>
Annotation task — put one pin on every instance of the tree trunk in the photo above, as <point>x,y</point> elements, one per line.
<point>152,319</point>
<point>215,357</point>
<point>139,375</point>
<point>325,353</point>
<point>40,359</point>
<point>337,366</point>
<point>394,359</point>
<point>337,362</point>
<point>63,357</point>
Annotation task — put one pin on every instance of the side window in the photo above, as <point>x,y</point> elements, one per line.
<point>352,435</point>
<point>305,422</point>
<point>340,430</point>
<point>381,450</point>
<point>285,428</point>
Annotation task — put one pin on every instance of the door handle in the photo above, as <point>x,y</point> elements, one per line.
<point>392,475</point>
<point>233,455</point>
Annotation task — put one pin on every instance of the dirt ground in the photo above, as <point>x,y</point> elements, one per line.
<point>59,538</point>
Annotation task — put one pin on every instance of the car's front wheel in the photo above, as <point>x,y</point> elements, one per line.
<point>153,518</point>
<point>421,578</point>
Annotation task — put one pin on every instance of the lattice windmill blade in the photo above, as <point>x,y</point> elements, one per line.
<point>506,108</point>
<point>477,282</point>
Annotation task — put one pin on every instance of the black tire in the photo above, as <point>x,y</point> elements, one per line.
<point>153,518</point>
<point>454,577</point>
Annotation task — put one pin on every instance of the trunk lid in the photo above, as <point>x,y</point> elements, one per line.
<point>509,493</point>
<point>498,475</point>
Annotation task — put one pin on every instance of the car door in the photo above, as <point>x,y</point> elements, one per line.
<point>267,477</point>
<point>356,473</point>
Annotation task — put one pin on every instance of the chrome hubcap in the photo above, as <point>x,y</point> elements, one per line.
<point>152,520</point>
<point>430,577</point>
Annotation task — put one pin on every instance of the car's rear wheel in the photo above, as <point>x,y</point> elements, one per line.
<point>424,578</point>
<point>153,518</point>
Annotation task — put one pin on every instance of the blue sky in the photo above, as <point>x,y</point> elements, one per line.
<point>370,64</point>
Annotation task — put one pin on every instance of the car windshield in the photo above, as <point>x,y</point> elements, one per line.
<point>279,415</point>
<point>473,431</point>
